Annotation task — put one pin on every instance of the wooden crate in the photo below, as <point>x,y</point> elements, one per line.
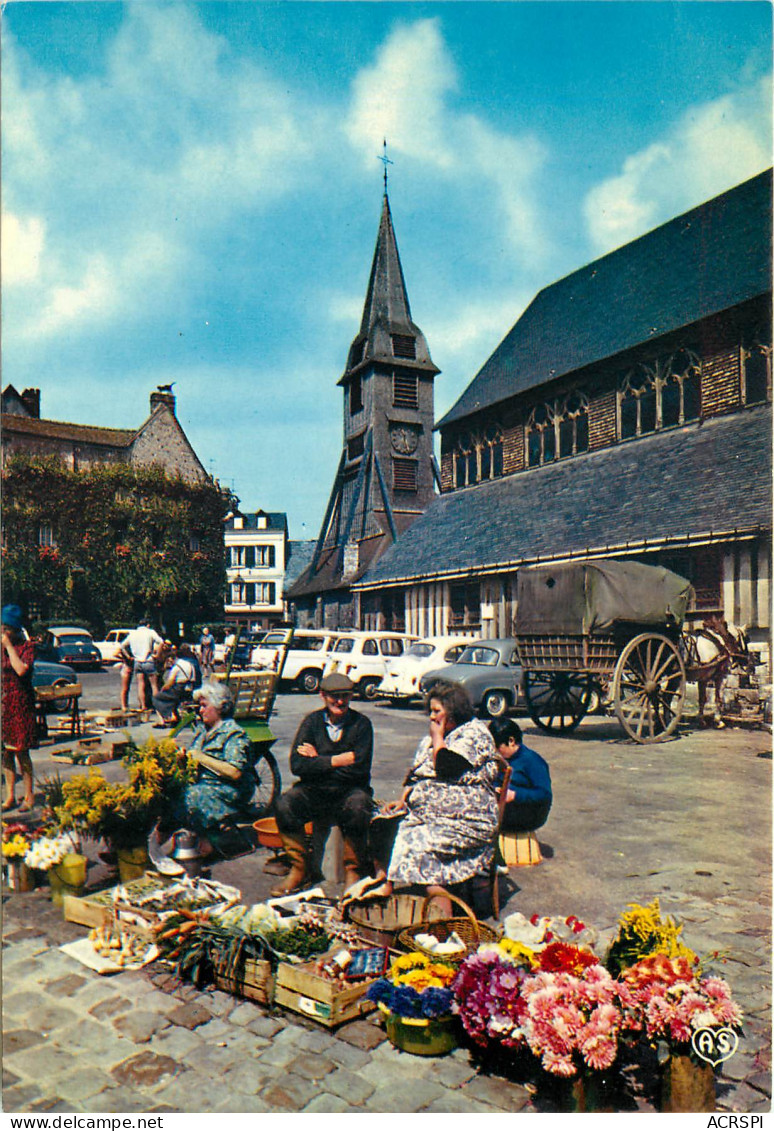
<point>257,984</point>
<point>89,910</point>
<point>299,988</point>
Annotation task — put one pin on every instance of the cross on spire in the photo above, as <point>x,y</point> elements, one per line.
<point>385,161</point>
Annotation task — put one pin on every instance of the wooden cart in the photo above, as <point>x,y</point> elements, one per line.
<point>603,623</point>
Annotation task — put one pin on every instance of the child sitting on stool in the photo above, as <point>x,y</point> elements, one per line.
<point>529,795</point>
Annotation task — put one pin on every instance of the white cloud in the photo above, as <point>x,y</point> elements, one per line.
<point>406,96</point>
<point>713,147</point>
<point>22,246</point>
<point>94,296</point>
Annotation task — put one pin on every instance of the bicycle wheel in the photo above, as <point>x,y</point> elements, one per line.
<point>268,782</point>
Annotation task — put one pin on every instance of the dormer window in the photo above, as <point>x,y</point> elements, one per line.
<point>403,345</point>
<point>660,394</point>
<point>557,429</point>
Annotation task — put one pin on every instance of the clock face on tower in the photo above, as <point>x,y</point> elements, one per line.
<point>404,439</point>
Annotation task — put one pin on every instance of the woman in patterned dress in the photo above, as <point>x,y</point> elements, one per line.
<point>225,784</point>
<point>450,800</point>
<point>18,708</point>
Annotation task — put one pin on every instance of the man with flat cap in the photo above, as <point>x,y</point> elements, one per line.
<point>331,755</point>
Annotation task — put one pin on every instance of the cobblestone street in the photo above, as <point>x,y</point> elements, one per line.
<point>687,821</point>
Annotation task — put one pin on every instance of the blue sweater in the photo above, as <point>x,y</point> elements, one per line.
<point>530,776</point>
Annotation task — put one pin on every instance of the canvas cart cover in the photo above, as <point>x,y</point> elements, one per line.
<point>581,597</point>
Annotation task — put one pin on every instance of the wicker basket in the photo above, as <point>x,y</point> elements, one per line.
<point>468,928</point>
<point>380,921</point>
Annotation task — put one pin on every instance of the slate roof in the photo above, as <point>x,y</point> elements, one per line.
<point>698,480</point>
<point>299,556</point>
<point>386,310</point>
<point>275,520</point>
<point>61,430</point>
<point>705,261</point>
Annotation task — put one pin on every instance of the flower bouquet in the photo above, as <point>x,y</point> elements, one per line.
<point>416,1000</point>
<point>487,994</point>
<point>15,846</point>
<point>47,851</point>
<point>694,1017</point>
<point>643,931</point>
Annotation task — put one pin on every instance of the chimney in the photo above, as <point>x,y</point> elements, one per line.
<point>31,401</point>
<point>159,398</point>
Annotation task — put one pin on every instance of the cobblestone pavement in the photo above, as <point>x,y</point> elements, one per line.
<point>688,821</point>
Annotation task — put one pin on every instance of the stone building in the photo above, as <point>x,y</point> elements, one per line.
<point>256,557</point>
<point>387,473</point>
<point>627,413</point>
<point>160,441</point>
<point>105,525</point>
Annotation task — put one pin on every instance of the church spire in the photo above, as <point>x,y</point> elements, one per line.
<point>386,329</point>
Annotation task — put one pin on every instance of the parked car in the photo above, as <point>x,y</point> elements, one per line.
<point>362,656</point>
<point>72,646</point>
<point>47,674</point>
<point>305,658</point>
<point>403,673</point>
<point>490,672</point>
<point>110,648</point>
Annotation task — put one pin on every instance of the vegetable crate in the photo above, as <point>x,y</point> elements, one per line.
<point>301,989</point>
<point>256,982</point>
<point>90,910</point>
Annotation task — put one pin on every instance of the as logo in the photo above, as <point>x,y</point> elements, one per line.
<point>715,1045</point>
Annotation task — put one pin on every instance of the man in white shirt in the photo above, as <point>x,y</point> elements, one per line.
<point>142,644</point>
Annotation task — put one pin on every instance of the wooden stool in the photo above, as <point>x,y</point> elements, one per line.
<point>520,850</point>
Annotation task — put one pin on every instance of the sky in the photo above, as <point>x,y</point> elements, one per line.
<point>192,192</point>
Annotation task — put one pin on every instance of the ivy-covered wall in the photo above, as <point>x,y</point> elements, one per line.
<point>125,541</point>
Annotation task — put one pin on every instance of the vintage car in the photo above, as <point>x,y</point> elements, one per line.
<point>47,674</point>
<point>490,672</point>
<point>305,659</point>
<point>362,657</point>
<point>403,673</point>
<point>73,646</point>
<point>110,648</point>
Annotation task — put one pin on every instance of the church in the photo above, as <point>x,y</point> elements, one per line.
<point>627,414</point>
<point>387,473</point>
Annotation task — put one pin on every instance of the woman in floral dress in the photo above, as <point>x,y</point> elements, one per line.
<point>18,708</point>
<point>450,799</point>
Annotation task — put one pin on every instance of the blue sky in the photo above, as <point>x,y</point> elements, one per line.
<point>191,192</point>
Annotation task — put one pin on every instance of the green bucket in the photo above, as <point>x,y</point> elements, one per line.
<point>420,1036</point>
<point>68,877</point>
<point>133,863</point>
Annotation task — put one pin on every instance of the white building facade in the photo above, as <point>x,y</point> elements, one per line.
<point>256,552</point>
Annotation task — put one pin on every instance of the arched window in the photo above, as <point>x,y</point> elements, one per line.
<point>756,370</point>
<point>662,394</point>
<point>557,429</point>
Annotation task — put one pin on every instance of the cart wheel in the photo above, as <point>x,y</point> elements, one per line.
<point>649,688</point>
<point>557,701</point>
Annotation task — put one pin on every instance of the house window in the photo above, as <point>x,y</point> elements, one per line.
<point>464,604</point>
<point>756,372</point>
<point>557,429</point>
<point>661,394</point>
<point>237,555</point>
<point>237,593</point>
<point>194,543</point>
<point>355,396</point>
<point>356,447</point>
<point>404,474</point>
<point>46,535</point>
<point>265,593</point>
<point>265,557</point>
<point>405,390</point>
<point>403,345</point>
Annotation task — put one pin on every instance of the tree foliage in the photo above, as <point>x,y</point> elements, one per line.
<point>125,541</point>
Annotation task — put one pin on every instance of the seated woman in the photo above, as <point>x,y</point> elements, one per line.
<point>529,797</point>
<point>223,751</point>
<point>179,683</point>
<point>448,833</point>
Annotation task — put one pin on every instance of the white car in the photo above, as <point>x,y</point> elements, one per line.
<point>362,656</point>
<point>305,658</point>
<point>403,673</point>
<point>110,647</point>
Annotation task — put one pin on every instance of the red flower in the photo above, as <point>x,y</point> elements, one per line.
<point>560,957</point>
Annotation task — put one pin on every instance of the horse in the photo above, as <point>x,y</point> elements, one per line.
<point>711,652</point>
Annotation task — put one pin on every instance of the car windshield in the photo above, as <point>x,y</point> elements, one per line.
<point>420,650</point>
<point>478,655</point>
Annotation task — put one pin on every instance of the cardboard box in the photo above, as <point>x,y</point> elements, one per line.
<point>257,984</point>
<point>299,988</point>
